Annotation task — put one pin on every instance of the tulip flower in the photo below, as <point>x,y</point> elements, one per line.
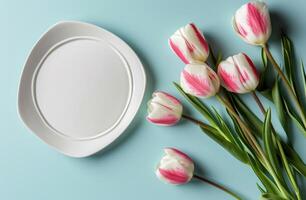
<point>175,167</point>
<point>164,109</point>
<point>198,79</point>
<point>189,44</point>
<point>252,23</point>
<point>238,74</point>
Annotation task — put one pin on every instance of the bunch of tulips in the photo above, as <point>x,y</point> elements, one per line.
<point>250,138</point>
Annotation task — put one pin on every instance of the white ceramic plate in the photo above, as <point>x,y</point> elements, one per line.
<point>80,88</point>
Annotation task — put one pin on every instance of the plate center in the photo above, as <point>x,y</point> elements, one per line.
<point>82,88</point>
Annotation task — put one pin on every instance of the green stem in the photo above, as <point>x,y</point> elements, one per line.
<point>248,134</point>
<point>291,177</point>
<point>251,140</point>
<point>217,186</point>
<point>198,122</point>
<point>255,145</point>
<point>278,142</point>
<point>286,84</point>
<point>257,100</point>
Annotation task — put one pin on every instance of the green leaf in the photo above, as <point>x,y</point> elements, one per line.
<point>295,75</point>
<point>219,59</point>
<point>279,105</point>
<point>271,151</point>
<point>248,115</point>
<point>197,104</point>
<point>264,58</point>
<point>303,78</point>
<point>302,94</point>
<point>294,159</point>
<point>296,120</point>
<point>260,188</point>
<point>230,147</point>
<point>270,196</point>
<point>287,52</point>
<point>246,145</point>
<point>224,127</point>
<point>289,171</point>
<point>219,133</point>
<point>265,180</point>
<point>257,124</point>
<point>268,143</point>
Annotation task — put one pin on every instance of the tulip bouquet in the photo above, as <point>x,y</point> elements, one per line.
<point>250,138</point>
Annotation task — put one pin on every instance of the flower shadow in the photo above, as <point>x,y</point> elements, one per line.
<point>279,23</point>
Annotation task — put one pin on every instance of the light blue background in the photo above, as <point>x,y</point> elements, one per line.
<point>30,170</point>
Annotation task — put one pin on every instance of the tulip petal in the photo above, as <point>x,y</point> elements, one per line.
<point>238,74</point>
<point>189,44</point>
<point>164,109</point>
<point>175,167</point>
<point>197,38</point>
<point>162,114</point>
<point>177,153</point>
<point>198,85</point>
<point>229,76</point>
<point>199,80</point>
<point>256,20</point>
<point>174,100</point>
<point>174,176</point>
<point>252,23</point>
<point>177,50</point>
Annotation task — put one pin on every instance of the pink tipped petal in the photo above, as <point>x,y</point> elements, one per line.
<point>198,85</point>
<point>176,152</point>
<point>164,109</point>
<point>251,64</point>
<point>256,20</point>
<point>238,74</point>
<point>174,176</point>
<point>166,120</point>
<point>200,37</point>
<point>178,52</point>
<point>199,80</point>
<point>241,31</point>
<point>189,44</point>
<point>171,98</point>
<point>229,81</point>
<point>175,167</point>
<point>252,23</point>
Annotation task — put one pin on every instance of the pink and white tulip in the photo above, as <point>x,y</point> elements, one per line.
<point>199,80</point>
<point>252,23</point>
<point>238,74</point>
<point>189,44</point>
<point>164,109</point>
<point>175,167</point>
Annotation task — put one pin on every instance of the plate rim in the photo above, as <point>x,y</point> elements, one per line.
<point>135,108</point>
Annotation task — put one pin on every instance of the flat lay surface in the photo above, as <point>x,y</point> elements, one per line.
<point>30,169</point>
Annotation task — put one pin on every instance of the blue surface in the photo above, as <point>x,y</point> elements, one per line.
<point>30,170</point>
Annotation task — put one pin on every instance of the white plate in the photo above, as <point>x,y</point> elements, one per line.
<point>80,88</point>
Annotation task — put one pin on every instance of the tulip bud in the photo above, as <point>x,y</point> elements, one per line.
<point>189,44</point>
<point>164,109</point>
<point>175,167</point>
<point>238,74</point>
<point>199,80</point>
<point>252,23</point>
